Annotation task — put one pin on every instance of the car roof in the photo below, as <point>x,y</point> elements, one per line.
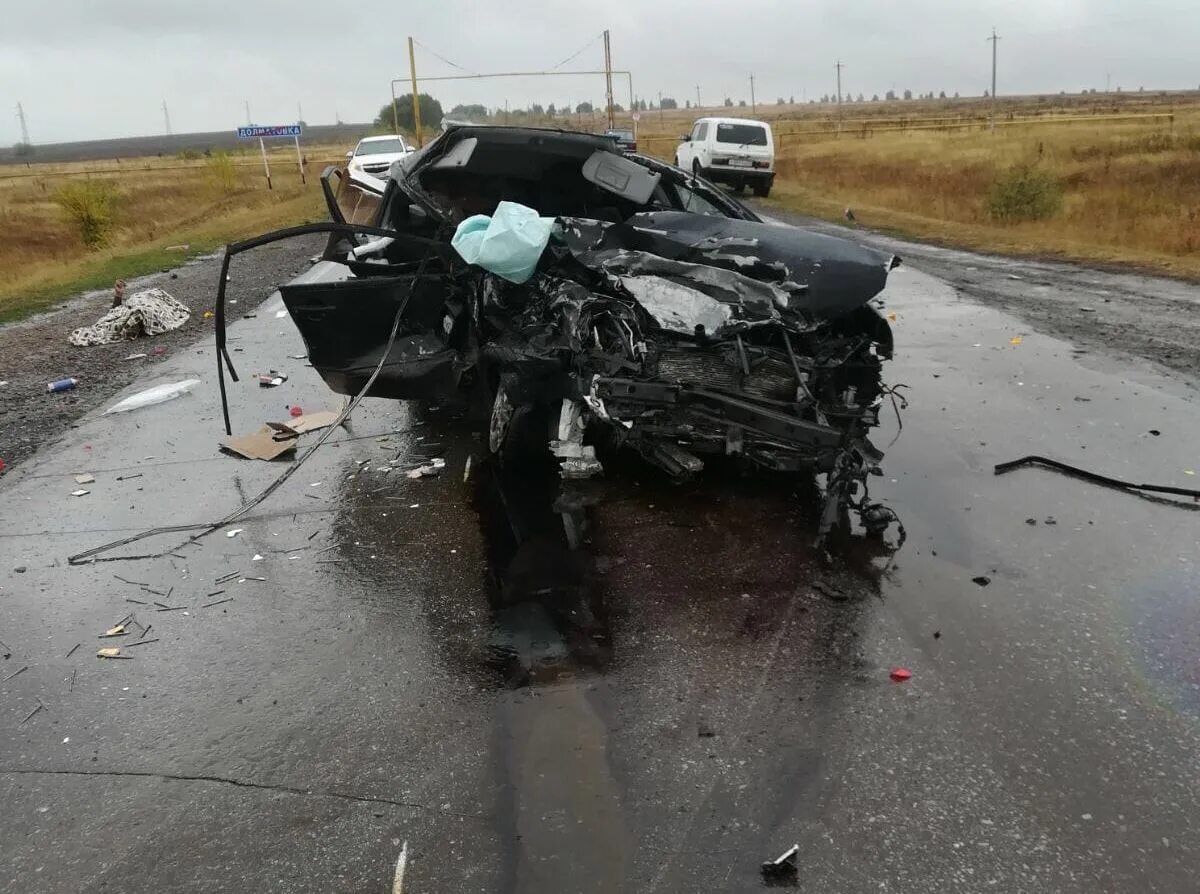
<point>386,136</point>
<point>735,121</point>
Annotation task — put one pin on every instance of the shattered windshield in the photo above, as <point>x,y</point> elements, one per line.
<point>380,147</point>
<point>742,134</point>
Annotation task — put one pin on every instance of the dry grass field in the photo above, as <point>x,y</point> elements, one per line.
<point>1101,178</point>
<point>143,209</point>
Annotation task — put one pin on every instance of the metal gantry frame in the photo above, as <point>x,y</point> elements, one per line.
<point>412,65</point>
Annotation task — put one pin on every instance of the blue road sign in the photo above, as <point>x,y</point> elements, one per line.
<point>253,132</point>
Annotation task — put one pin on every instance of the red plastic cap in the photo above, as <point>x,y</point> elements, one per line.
<point>296,411</point>
<point>901,675</point>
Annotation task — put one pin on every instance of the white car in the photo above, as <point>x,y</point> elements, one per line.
<point>374,155</point>
<point>739,152</point>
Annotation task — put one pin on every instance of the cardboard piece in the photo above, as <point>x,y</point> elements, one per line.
<point>266,443</point>
<point>312,421</point>
<point>275,439</point>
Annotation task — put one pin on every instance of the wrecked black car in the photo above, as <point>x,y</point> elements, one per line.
<point>663,317</point>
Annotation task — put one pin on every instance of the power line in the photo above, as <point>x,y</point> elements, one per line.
<point>578,52</point>
<point>443,58</point>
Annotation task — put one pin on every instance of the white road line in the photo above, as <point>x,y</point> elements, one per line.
<point>401,862</point>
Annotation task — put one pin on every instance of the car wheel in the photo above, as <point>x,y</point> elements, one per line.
<point>696,168</point>
<point>762,190</point>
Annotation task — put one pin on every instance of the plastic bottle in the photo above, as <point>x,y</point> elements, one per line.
<point>62,385</point>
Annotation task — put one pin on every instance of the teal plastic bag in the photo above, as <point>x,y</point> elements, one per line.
<point>508,243</point>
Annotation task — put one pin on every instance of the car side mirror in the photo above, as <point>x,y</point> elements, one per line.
<point>685,138</point>
<point>349,155</point>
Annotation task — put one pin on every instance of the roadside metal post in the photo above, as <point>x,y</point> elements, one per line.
<point>395,113</point>
<point>300,161</point>
<point>266,167</point>
<point>412,70</point>
<point>608,94</point>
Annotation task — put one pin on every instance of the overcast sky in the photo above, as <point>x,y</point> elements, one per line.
<point>88,69</point>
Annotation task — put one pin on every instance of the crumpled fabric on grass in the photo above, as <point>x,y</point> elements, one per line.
<point>151,312</point>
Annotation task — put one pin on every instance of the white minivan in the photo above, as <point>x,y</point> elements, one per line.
<point>739,152</point>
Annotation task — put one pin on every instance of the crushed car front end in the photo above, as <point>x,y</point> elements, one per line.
<point>662,317</point>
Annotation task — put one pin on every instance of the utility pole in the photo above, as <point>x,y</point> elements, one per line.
<point>995,38</point>
<point>248,121</point>
<point>299,113</point>
<point>166,118</point>
<point>697,96</point>
<point>753,105</point>
<point>1108,82</point>
<point>24,128</point>
<point>838,66</point>
<point>608,94</point>
<point>660,110</point>
<point>412,71</point>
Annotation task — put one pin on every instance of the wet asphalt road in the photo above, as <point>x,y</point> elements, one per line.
<point>702,708</point>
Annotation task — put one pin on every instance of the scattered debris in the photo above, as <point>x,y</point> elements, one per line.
<point>151,312</point>
<point>141,642</point>
<point>234,532</point>
<point>937,634</point>
<point>73,648</point>
<point>425,471</point>
<point>151,396</point>
<point>15,674</point>
<point>1088,310</point>
<point>295,411</point>
<point>136,357</point>
<point>783,866</point>
<point>1015,340</point>
<point>218,602</point>
<point>982,580</point>
<point>39,707</point>
<point>61,385</point>
<point>1155,432</point>
<point>80,493</point>
<point>84,479</point>
<point>119,630</point>
<point>20,569</point>
<point>1031,521</point>
<point>110,652</point>
<point>1050,520</point>
<point>704,731</point>
<point>128,477</point>
<point>271,379</point>
<point>256,558</point>
<point>900,675</point>
<point>277,438</point>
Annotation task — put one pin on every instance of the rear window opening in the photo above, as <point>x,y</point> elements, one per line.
<point>742,134</point>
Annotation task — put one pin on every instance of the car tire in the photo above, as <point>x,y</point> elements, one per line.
<point>696,172</point>
<point>762,190</point>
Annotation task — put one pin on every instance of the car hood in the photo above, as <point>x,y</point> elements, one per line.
<point>793,271</point>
